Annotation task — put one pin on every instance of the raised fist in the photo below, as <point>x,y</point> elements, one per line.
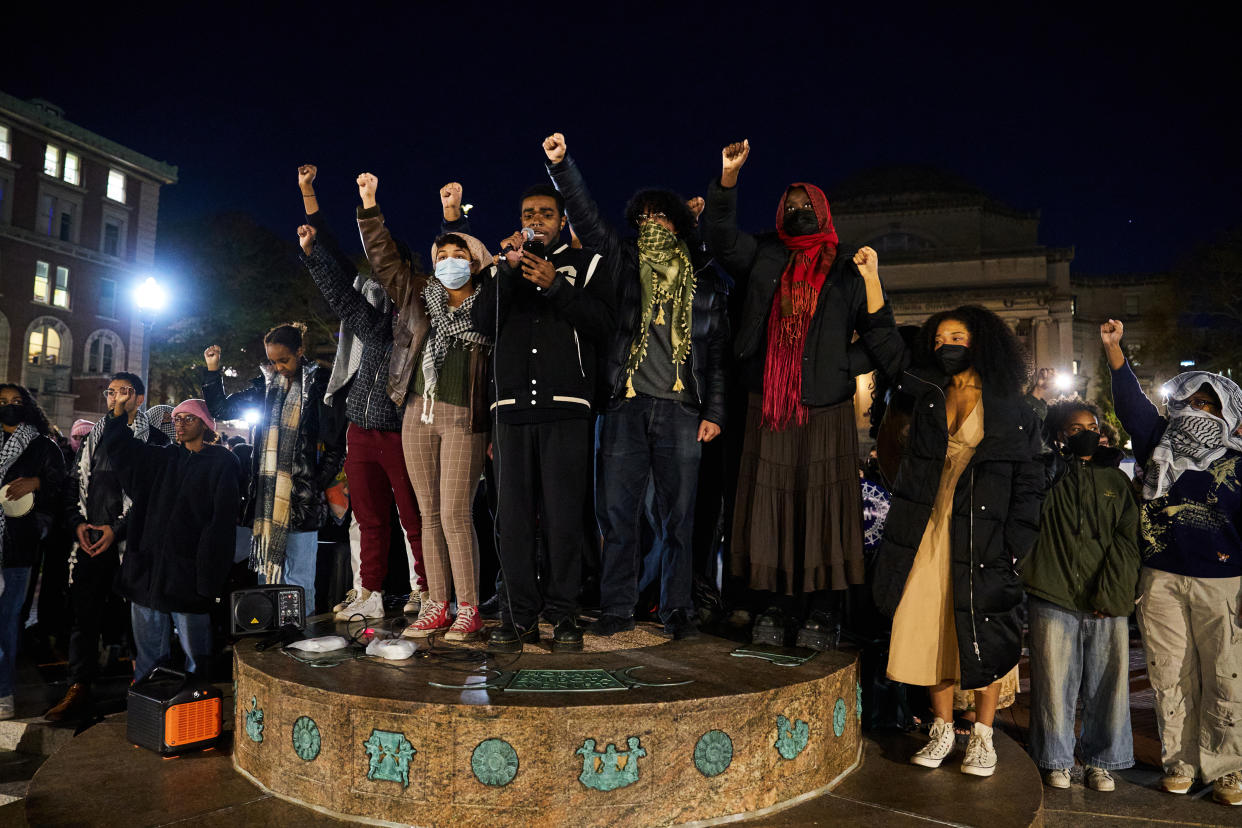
<point>367,185</point>
<point>868,263</point>
<point>450,195</point>
<point>120,402</point>
<point>554,147</point>
<point>212,357</point>
<point>695,206</point>
<point>732,158</point>
<point>1111,333</point>
<point>306,177</point>
<point>306,238</point>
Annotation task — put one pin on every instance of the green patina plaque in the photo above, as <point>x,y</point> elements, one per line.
<point>713,753</point>
<point>390,756</point>
<point>791,737</point>
<point>306,740</point>
<point>612,768</point>
<point>838,717</point>
<point>858,701</point>
<point>254,720</point>
<point>562,681</point>
<point>494,762</point>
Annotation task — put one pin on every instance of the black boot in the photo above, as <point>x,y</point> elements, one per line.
<point>567,636</point>
<point>769,628</point>
<point>822,631</point>
<point>509,638</point>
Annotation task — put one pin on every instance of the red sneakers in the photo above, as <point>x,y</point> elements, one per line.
<point>467,626</point>
<point>432,618</point>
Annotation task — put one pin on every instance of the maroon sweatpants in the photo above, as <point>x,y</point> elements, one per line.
<point>375,469</point>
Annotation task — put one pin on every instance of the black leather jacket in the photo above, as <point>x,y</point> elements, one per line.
<point>313,470</point>
<point>709,334</point>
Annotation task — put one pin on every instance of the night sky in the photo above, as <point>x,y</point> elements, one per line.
<point>1124,130</point>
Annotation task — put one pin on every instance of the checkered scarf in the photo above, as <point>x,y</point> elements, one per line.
<point>664,273</point>
<point>85,463</point>
<point>449,326</point>
<point>1193,440</point>
<point>274,483</point>
<point>12,447</point>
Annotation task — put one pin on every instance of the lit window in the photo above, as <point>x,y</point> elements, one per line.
<point>1077,366</point>
<point>60,297</point>
<point>112,239</point>
<point>6,148</point>
<point>73,168</point>
<point>107,298</point>
<point>51,161</point>
<point>41,292</point>
<point>116,185</point>
<point>44,346</point>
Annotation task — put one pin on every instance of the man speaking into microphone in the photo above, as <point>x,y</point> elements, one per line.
<point>549,307</point>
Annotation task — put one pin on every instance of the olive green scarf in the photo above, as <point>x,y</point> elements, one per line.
<point>664,272</point>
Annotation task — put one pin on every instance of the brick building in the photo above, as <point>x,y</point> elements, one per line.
<point>77,231</point>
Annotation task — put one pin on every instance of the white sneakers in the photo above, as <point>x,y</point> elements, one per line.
<point>6,707</point>
<point>366,604</point>
<point>1227,790</point>
<point>980,754</point>
<point>350,597</point>
<point>415,604</point>
<point>1057,778</point>
<point>939,748</point>
<point>1098,779</point>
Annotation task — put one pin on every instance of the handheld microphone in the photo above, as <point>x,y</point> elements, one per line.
<point>527,233</point>
<point>537,248</point>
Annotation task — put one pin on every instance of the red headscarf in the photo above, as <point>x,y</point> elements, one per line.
<point>810,258</point>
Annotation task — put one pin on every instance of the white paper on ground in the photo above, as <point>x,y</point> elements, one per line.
<point>322,644</point>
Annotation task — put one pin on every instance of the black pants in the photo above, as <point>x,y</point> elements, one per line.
<point>90,595</point>
<point>544,470</point>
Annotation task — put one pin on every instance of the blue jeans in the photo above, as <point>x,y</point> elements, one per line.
<point>16,579</point>
<point>643,440</point>
<point>152,639</point>
<point>301,553</point>
<point>1075,654</point>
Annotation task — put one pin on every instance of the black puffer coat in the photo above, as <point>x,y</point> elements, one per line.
<point>995,522</point>
<point>709,334</point>
<point>313,469</point>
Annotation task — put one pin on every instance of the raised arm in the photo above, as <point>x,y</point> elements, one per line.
<point>388,266</point>
<point>367,323</point>
<point>453,218</point>
<point>733,249</point>
<point>314,217</point>
<point>595,233</point>
<point>1138,415</point>
<point>225,406</point>
<point>882,347</point>
<point>136,460</point>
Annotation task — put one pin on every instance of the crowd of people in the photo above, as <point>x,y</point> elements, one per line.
<point>643,404</point>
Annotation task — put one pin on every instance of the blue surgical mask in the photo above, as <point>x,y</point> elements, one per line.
<point>453,273</point>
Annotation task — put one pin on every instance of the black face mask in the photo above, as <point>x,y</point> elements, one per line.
<point>801,223</point>
<point>11,415</point>
<point>953,359</point>
<point>1084,443</point>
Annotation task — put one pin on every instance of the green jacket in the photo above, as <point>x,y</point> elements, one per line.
<point>1087,556</point>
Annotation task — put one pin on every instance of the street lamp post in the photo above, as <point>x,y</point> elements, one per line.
<point>150,298</point>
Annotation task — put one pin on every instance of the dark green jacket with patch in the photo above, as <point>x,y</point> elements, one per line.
<point>1087,556</point>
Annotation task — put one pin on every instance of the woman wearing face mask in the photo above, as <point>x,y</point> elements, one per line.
<point>30,466</point>
<point>444,431</point>
<point>1081,580</point>
<point>965,510</point>
<point>1191,582</point>
<point>288,473</point>
<point>802,304</point>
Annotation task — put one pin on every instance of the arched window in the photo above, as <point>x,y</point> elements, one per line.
<point>43,346</point>
<point>105,353</point>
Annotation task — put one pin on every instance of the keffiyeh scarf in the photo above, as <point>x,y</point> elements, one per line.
<point>449,327</point>
<point>1193,440</point>
<point>274,483</point>
<point>664,273</point>
<point>11,448</point>
<point>85,463</point>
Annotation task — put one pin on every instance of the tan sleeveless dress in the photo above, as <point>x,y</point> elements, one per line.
<point>923,649</point>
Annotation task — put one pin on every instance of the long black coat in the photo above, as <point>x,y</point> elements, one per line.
<point>181,532</point>
<point>995,522</point>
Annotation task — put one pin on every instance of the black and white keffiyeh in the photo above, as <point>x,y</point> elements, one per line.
<point>449,327</point>
<point>85,462</point>
<point>1193,439</point>
<point>11,448</point>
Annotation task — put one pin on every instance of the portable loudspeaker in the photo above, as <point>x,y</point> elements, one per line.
<point>170,712</point>
<point>267,609</point>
